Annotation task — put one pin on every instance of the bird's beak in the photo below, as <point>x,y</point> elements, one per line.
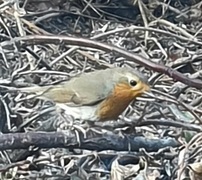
<point>146,88</point>
<point>146,93</point>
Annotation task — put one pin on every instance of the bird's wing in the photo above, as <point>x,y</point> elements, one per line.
<point>87,90</point>
<point>84,90</point>
<point>55,93</point>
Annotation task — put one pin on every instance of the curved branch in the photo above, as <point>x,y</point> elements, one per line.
<point>94,141</point>
<point>43,39</point>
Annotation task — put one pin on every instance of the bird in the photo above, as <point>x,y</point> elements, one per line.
<point>100,95</point>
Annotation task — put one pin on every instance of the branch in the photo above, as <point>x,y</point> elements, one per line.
<point>169,122</point>
<point>42,39</point>
<point>94,141</point>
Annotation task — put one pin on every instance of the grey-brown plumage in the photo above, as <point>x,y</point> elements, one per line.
<point>86,89</point>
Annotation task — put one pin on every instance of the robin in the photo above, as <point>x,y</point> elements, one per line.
<point>96,96</point>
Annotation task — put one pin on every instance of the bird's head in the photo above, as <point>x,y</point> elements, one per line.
<point>131,82</point>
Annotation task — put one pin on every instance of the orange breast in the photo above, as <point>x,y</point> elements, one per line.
<point>115,103</point>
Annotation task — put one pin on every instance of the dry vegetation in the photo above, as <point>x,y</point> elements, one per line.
<point>44,42</point>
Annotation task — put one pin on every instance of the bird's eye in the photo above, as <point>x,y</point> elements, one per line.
<point>133,83</point>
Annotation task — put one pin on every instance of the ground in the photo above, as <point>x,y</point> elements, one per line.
<point>45,42</point>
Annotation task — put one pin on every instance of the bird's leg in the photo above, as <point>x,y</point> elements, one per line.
<point>83,125</point>
<point>77,123</point>
<point>93,127</point>
<point>69,122</point>
<point>80,128</point>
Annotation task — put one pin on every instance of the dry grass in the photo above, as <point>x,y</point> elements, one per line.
<point>156,138</point>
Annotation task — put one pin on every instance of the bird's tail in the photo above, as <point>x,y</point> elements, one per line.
<point>5,89</point>
<point>34,89</point>
<point>38,90</point>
